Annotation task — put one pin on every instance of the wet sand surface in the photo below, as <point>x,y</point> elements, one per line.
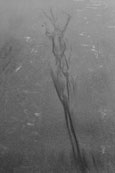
<point>30,112</point>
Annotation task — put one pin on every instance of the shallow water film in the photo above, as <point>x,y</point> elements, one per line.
<point>35,134</point>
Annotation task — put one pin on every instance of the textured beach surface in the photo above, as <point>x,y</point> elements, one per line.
<point>31,115</point>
